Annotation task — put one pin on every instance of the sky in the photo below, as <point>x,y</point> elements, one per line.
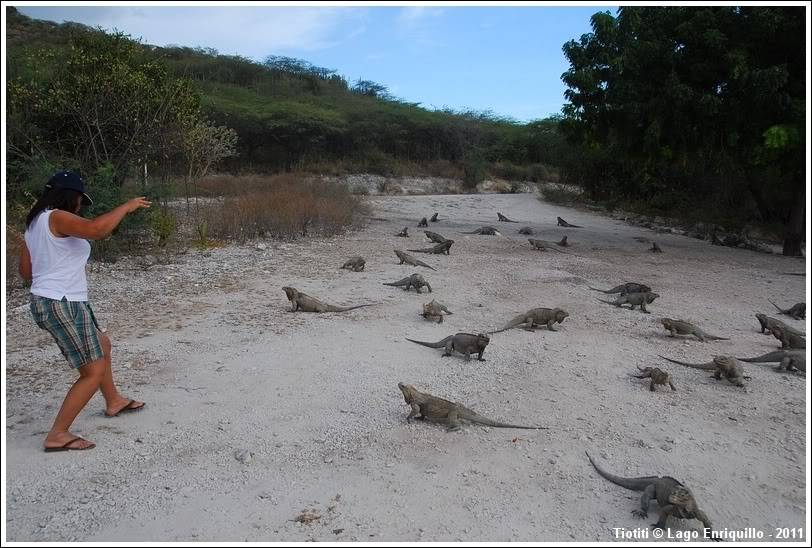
<point>504,59</point>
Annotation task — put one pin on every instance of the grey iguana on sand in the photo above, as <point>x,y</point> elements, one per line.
<point>788,339</point>
<point>623,289</point>
<point>356,264</point>
<point>444,247</point>
<point>790,360</point>
<point>464,343</point>
<point>634,299</point>
<point>681,327</point>
<point>655,248</point>
<point>434,237</point>
<point>527,230</point>
<point>485,231</point>
<point>404,233</point>
<point>415,281</point>
<point>541,245</point>
<point>423,222</point>
<point>562,222</point>
<point>411,261</point>
<point>434,311</point>
<point>767,322</point>
<point>504,219</point>
<point>797,312</point>
<point>673,498</point>
<point>535,317</point>
<point>433,218</point>
<point>657,376</point>
<point>433,409</point>
<point>722,366</point>
<point>306,303</point>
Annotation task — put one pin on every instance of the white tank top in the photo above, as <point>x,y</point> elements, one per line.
<point>57,264</point>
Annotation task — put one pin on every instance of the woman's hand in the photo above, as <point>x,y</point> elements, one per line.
<point>136,204</point>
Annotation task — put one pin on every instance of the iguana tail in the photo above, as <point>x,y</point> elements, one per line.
<point>395,284</point>
<point>607,302</point>
<point>635,484</point>
<point>346,308</point>
<point>608,291</point>
<point>706,366</point>
<point>715,338</point>
<point>770,357</point>
<point>776,306</point>
<point>440,344</point>
<point>476,417</point>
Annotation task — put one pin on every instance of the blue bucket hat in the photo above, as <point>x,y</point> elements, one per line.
<point>70,180</point>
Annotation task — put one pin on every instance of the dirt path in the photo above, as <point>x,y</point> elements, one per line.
<point>208,343</point>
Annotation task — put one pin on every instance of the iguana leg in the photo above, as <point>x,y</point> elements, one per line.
<point>413,413</point>
<point>664,513</point>
<point>648,494</point>
<point>651,387</point>
<point>479,356</point>
<point>643,308</point>
<point>672,332</point>
<point>671,384</point>
<point>717,375</point>
<point>417,288</point>
<point>531,324</point>
<point>453,422</point>
<point>550,325</point>
<point>700,337</point>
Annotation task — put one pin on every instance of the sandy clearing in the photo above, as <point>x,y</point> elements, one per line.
<point>209,344</point>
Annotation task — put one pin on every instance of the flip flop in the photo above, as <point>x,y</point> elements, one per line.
<point>66,448</point>
<point>125,409</point>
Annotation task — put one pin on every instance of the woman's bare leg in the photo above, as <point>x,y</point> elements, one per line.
<point>90,378</point>
<point>115,402</point>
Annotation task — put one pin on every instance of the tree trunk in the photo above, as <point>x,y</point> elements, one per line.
<point>795,229</point>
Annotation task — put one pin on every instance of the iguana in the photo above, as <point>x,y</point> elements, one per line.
<point>356,264</point>
<point>541,245</point>
<point>797,312</point>
<point>485,231</point>
<point>657,376</point>
<point>635,299</point>
<point>722,366</point>
<point>505,219</point>
<point>411,261</point>
<point>404,233</point>
<point>623,289</point>
<point>433,409</point>
<point>443,247</point>
<point>433,218</point>
<point>423,222</point>
<point>791,360</point>
<point>673,498</point>
<point>681,327</point>
<point>534,317</point>
<point>306,303</point>
<point>527,230</point>
<point>562,222</point>
<point>434,311</point>
<point>787,338</point>
<point>464,343</point>
<point>434,237</point>
<point>415,281</point>
<point>655,248</point>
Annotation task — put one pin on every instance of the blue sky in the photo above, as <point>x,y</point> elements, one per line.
<point>504,59</point>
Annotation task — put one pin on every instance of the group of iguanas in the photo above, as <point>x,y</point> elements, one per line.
<point>673,498</point>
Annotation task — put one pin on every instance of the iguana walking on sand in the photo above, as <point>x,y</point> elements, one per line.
<point>797,312</point>
<point>464,343</point>
<point>790,360</point>
<point>722,366</point>
<point>433,409</point>
<point>433,218</point>
<point>504,219</point>
<point>623,289</point>
<point>423,222</point>
<point>657,376</point>
<point>788,339</point>
<point>356,264</point>
<point>562,222</point>
<point>541,245</point>
<point>443,247</point>
<point>634,299</point>
<point>655,248</point>
<point>306,303</point>
<point>411,261</point>
<point>527,230</point>
<point>434,237</point>
<point>681,327</point>
<point>415,281</point>
<point>434,311</point>
<point>485,231</point>
<point>673,498</point>
<point>404,233</point>
<point>536,317</point>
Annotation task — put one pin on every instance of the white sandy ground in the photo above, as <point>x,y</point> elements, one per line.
<point>208,343</point>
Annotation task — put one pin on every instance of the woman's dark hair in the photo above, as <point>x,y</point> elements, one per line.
<point>54,198</point>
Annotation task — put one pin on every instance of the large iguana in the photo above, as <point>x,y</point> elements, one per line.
<point>787,338</point>
<point>722,366</point>
<point>434,237</point>
<point>434,218</point>
<point>681,327</point>
<point>790,360</point>
<point>541,245</point>
<point>415,281</point>
<point>673,498</point>
<point>411,261</point>
<point>623,289</point>
<point>423,222</point>
<point>527,230</point>
<point>797,312</point>
<point>434,311</point>
<point>534,317</point>
<point>634,299</point>
<point>306,303</point>
<point>433,409</point>
<point>657,376</point>
<point>485,231</point>
<point>356,264</point>
<point>403,233</point>
<point>767,323</point>
<point>504,219</point>
<point>444,247</point>
<point>562,222</point>
<point>464,343</point>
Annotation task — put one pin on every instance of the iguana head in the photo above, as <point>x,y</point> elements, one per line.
<point>290,292</point>
<point>762,318</point>
<point>682,497</point>
<point>651,296</point>
<point>482,340</point>
<point>560,314</point>
<point>408,391</point>
<point>666,322</point>
<point>644,369</point>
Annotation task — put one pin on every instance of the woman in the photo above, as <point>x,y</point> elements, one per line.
<point>53,260</point>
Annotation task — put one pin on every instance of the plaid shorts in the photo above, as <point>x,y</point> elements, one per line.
<point>72,325</point>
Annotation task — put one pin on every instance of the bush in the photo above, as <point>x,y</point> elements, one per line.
<point>163,225</point>
<point>473,168</point>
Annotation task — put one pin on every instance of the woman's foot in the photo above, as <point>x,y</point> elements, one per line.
<point>122,405</point>
<point>65,441</point>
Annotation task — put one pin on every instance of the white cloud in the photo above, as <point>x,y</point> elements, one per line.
<point>413,15</point>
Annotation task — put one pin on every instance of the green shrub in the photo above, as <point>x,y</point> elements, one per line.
<point>163,224</point>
